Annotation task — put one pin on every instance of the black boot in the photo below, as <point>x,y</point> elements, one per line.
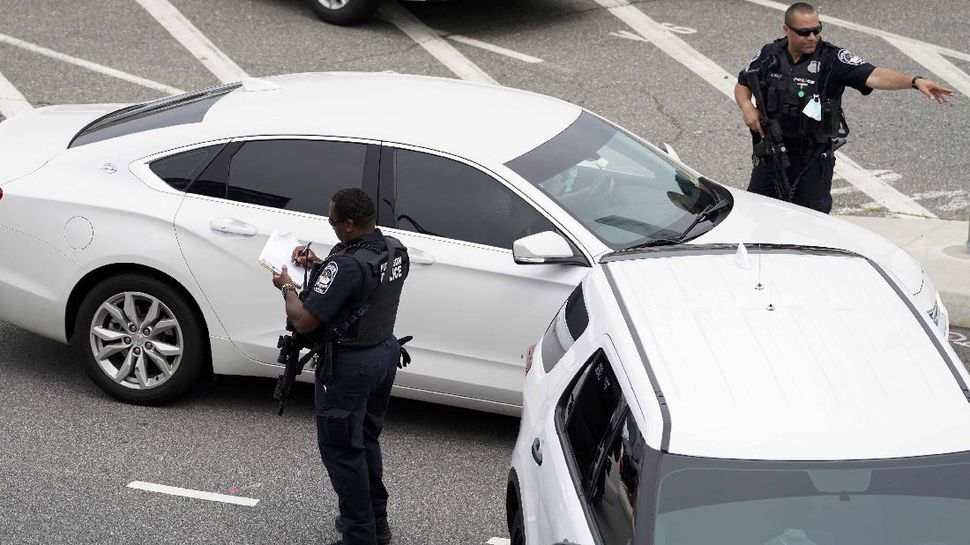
<point>383,529</point>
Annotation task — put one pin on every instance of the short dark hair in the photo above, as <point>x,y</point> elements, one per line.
<point>800,8</point>
<point>354,204</point>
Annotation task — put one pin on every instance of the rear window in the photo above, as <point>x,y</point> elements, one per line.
<point>570,322</point>
<point>166,112</point>
<point>180,169</point>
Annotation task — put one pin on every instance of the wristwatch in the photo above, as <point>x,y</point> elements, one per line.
<point>288,287</point>
<point>913,82</point>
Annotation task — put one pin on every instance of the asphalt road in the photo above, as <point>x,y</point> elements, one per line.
<point>67,452</point>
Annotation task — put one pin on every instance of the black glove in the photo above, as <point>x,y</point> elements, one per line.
<point>405,357</point>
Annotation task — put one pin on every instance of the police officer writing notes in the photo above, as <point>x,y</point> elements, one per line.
<point>801,78</point>
<point>351,301</point>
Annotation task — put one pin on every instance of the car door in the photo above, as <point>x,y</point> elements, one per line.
<point>472,310</point>
<point>591,452</point>
<point>250,189</point>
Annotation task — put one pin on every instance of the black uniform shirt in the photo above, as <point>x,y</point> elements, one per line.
<point>848,70</point>
<point>338,285</point>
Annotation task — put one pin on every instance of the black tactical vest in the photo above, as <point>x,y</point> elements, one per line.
<point>367,319</point>
<point>789,87</point>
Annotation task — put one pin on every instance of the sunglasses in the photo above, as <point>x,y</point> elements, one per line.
<point>804,32</point>
<point>335,222</point>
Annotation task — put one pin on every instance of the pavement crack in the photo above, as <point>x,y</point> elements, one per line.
<point>672,119</point>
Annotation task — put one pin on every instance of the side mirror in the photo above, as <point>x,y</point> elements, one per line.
<point>545,248</point>
<point>669,150</point>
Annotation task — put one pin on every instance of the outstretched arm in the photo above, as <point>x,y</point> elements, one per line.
<point>891,80</point>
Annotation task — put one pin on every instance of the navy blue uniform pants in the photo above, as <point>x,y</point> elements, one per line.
<point>814,189</point>
<point>350,408</point>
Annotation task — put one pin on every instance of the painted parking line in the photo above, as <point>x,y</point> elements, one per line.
<point>497,49</point>
<point>434,44</point>
<point>189,493</point>
<point>663,38</point>
<point>499,541</point>
<point>925,53</point>
<point>108,71</point>
<point>11,101</point>
<point>192,39</point>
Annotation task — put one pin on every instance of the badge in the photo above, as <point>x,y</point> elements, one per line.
<point>847,57</point>
<point>813,67</point>
<point>326,278</point>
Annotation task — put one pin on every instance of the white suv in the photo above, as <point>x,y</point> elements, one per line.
<point>770,395</point>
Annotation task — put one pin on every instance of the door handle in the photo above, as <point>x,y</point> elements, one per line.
<point>232,226</point>
<point>537,451</point>
<point>420,257</point>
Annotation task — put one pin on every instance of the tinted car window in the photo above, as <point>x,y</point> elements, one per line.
<point>570,322</point>
<point>587,411</point>
<point>165,112</point>
<point>446,198</point>
<point>299,175</point>
<point>613,492</point>
<point>180,169</point>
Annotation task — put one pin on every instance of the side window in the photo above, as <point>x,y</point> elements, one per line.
<point>570,322</point>
<point>587,412</point>
<point>446,198</point>
<point>180,169</point>
<point>300,175</point>
<point>613,492</point>
<point>607,448</point>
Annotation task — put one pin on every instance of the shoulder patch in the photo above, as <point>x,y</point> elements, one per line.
<point>847,57</point>
<point>326,278</point>
<point>757,54</point>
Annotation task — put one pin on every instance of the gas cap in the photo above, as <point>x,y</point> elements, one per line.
<point>78,233</point>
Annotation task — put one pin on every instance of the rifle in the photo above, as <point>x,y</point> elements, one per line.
<point>772,141</point>
<point>290,346</point>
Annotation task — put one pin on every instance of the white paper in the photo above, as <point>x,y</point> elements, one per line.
<point>278,252</point>
<point>813,109</point>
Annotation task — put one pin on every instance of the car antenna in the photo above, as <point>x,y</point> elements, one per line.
<point>759,286</point>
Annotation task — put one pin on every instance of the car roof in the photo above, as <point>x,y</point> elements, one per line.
<point>843,367</point>
<point>473,120</point>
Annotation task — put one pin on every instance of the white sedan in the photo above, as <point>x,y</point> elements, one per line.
<point>132,231</point>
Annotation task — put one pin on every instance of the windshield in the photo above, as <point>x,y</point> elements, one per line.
<point>165,112</point>
<point>915,501</point>
<point>620,189</point>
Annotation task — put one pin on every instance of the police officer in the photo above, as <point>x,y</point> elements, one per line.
<point>352,297</point>
<point>802,79</point>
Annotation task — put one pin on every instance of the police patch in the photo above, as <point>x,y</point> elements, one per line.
<point>814,66</point>
<point>326,278</point>
<point>756,55</point>
<point>847,57</point>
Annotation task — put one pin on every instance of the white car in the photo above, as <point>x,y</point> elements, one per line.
<point>775,396</point>
<point>133,231</point>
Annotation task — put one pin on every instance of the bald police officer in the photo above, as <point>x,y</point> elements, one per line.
<point>351,300</point>
<point>802,79</point>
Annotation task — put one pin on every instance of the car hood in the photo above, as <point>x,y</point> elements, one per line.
<point>30,139</point>
<point>758,219</point>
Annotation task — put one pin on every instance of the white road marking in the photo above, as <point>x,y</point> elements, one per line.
<point>493,48</point>
<point>629,36</point>
<point>890,198</point>
<point>929,57</point>
<point>11,101</point>
<point>498,541</point>
<point>34,48</point>
<point>437,46</point>
<point>192,39</point>
<point>189,493</point>
<point>947,71</point>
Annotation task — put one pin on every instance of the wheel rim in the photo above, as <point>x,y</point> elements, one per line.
<point>333,4</point>
<point>136,340</point>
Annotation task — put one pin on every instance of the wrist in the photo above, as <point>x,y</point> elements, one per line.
<point>912,82</point>
<point>288,287</point>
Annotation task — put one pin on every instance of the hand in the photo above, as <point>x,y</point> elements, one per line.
<point>934,90</point>
<point>752,118</point>
<point>282,279</point>
<point>303,257</point>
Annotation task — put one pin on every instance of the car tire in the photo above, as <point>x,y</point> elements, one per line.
<point>157,361</point>
<point>343,12</point>
<point>517,529</point>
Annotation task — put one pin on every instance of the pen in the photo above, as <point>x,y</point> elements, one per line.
<point>306,252</point>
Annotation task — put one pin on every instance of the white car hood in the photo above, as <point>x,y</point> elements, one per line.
<point>758,219</point>
<point>30,139</point>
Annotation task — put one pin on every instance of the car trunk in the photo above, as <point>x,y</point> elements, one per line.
<point>31,139</point>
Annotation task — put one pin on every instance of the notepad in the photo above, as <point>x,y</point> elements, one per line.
<point>278,252</point>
